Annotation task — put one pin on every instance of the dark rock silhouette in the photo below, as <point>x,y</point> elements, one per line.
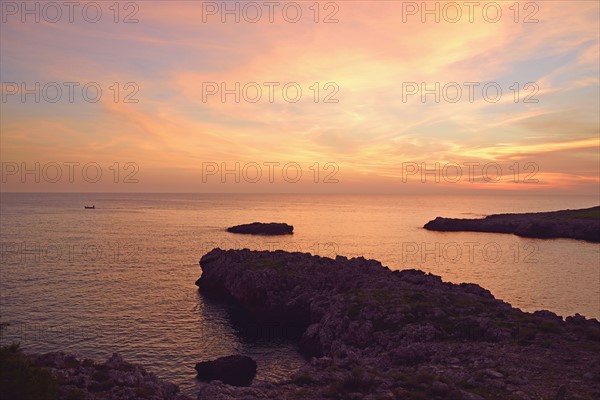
<point>581,224</point>
<point>370,332</point>
<point>232,370</point>
<point>260,228</point>
<point>114,379</point>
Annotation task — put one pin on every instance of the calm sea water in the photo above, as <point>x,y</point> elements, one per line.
<point>121,277</point>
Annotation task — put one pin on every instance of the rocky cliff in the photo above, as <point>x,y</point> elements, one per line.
<point>373,333</point>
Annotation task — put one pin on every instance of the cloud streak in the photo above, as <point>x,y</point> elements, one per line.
<point>367,58</point>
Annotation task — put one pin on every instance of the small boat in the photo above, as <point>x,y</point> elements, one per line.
<point>90,207</point>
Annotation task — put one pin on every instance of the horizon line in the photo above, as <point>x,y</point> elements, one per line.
<point>511,193</point>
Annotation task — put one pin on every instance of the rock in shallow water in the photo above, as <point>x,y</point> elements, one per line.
<point>232,370</point>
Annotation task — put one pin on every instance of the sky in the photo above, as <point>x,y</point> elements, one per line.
<point>319,97</point>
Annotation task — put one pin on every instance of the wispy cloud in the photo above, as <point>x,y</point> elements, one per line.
<point>369,55</point>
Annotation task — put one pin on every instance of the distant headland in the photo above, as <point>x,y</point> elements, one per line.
<point>583,224</point>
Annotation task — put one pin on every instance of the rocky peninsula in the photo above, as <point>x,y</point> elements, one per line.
<point>583,224</point>
<point>372,333</point>
<point>261,228</point>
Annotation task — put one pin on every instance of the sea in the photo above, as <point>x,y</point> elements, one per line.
<point>120,277</point>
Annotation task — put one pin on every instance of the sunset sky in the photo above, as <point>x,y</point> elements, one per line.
<point>367,61</point>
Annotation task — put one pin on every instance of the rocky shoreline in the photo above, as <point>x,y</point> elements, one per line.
<point>373,333</point>
<point>367,333</point>
<point>67,377</point>
<point>583,224</point>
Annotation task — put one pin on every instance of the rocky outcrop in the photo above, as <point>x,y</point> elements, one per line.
<point>232,370</point>
<point>581,224</point>
<point>113,379</point>
<point>373,333</point>
<point>260,228</point>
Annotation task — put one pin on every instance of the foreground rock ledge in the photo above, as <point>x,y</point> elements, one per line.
<point>583,224</point>
<point>373,333</point>
<point>261,228</point>
<point>66,377</point>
